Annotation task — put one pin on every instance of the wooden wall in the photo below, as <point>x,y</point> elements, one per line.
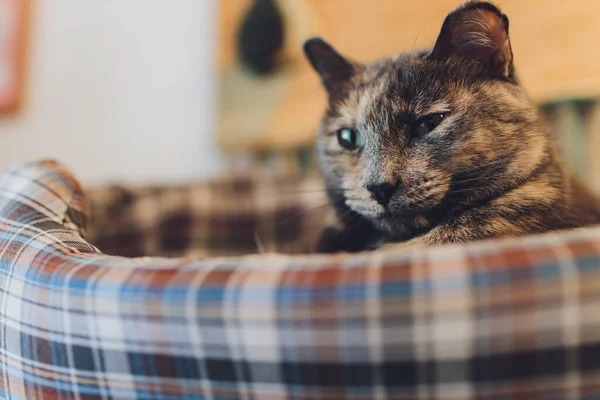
<point>555,43</point>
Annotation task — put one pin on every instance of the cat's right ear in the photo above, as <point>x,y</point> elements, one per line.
<point>477,31</point>
<point>333,68</point>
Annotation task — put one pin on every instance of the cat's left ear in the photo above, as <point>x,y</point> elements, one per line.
<point>478,32</point>
<point>333,68</point>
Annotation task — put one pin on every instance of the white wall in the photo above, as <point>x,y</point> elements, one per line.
<point>120,90</point>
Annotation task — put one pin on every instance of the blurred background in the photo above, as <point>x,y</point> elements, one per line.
<point>154,92</point>
<point>119,90</point>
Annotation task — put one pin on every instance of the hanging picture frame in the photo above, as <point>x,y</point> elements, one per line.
<point>14,26</point>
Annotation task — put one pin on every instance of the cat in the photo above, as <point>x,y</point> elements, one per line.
<point>440,146</point>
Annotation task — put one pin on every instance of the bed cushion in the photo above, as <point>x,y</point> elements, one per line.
<point>234,215</point>
<point>510,319</point>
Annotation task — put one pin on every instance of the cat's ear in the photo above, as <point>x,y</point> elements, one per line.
<point>333,68</point>
<point>477,31</point>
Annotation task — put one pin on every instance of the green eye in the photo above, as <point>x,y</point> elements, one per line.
<point>350,139</point>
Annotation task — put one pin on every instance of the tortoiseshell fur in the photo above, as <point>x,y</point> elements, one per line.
<point>488,170</point>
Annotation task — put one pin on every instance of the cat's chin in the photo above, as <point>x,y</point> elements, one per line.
<point>402,225</point>
<point>397,221</point>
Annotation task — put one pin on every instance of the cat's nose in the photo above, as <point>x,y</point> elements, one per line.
<point>382,192</point>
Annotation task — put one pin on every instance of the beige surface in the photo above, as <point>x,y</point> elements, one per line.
<point>554,42</point>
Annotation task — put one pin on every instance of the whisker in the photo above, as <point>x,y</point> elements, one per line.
<point>471,180</point>
<point>306,191</point>
<point>287,220</point>
<point>460,191</point>
<point>259,244</point>
<point>489,164</point>
<point>309,194</point>
<point>348,222</point>
<point>462,203</point>
<point>419,33</point>
<point>353,222</point>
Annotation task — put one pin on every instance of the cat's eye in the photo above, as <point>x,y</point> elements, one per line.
<point>427,124</point>
<point>350,139</point>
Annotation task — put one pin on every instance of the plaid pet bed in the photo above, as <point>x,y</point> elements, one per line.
<point>235,215</point>
<point>514,319</point>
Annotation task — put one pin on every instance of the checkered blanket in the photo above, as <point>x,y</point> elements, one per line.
<point>511,319</point>
<point>235,215</point>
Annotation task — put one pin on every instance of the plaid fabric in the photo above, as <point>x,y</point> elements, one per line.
<point>512,319</point>
<point>233,216</point>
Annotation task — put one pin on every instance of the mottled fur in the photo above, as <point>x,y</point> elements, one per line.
<point>488,170</point>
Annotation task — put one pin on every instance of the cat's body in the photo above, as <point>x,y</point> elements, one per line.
<point>442,146</point>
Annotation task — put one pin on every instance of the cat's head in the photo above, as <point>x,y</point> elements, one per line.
<point>410,138</point>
